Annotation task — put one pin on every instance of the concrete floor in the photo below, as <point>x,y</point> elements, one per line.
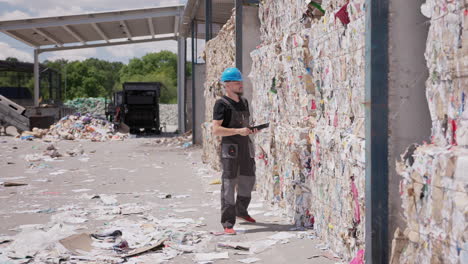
<point>136,171</point>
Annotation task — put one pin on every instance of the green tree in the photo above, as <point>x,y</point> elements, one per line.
<point>99,78</point>
<point>155,67</point>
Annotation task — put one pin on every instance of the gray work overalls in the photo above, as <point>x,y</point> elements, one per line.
<point>237,159</point>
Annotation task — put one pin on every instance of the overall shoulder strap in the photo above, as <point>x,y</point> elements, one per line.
<point>227,102</point>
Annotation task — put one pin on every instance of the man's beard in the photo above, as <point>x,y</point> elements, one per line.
<point>239,93</point>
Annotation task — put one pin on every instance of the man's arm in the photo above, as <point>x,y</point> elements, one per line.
<point>219,130</point>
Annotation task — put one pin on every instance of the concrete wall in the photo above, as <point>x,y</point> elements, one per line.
<point>250,40</point>
<point>409,119</point>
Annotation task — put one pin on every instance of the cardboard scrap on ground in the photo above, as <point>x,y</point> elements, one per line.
<point>78,243</point>
<point>13,184</point>
<point>217,181</point>
<point>156,246</point>
<point>233,245</point>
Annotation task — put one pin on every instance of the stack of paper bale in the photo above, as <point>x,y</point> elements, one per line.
<point>88,105</point>
<point>308,80</point>
<point>435,176</point>
<point>219,54</point>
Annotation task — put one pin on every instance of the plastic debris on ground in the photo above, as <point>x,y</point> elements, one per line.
<point>78,127</point>
<point>89,105</point>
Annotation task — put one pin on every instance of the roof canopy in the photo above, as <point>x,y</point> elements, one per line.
<point>96,29</point>
<point>195,10</point>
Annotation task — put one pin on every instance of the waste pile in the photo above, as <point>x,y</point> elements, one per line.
<point>168,114</point>
<point>434,185</point>
<point>77,127</point>
<point>219,54</point>
<point>183,141</point>
<point>89,105</point>
<point>308,83</point>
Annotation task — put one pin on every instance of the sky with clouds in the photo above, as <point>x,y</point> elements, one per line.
<point>20,9</point>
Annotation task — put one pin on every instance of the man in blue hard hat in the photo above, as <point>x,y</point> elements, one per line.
<point>231,121</point>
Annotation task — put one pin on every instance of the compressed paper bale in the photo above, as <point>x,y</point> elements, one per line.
<point>434,202</point>
<point>434,176</point>
<point>446,56</point>
<point>309,84</point>
<point>219,54</point>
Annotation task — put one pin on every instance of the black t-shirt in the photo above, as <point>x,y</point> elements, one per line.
<point>222,111</point>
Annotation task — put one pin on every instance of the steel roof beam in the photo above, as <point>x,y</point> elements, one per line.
<point>74,34</point>
<point>108,44</point>
<point>48,36</point>
<point>176,24</point>
<point>150,25</point>
<point>22,39</point>
<point>100,32</point>
<point>127,29</point>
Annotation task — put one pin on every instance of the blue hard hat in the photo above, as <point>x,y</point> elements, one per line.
<point>231,74</point>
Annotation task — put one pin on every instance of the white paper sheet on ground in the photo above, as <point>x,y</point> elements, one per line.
<point>185,210</point>
<point>33,157</point>
<point>255,212</point>
<point>248,260</point>
<point>129,209</point>
<point>105,217</point>
<point>59,172</point>
<point>67,217</point>
<point>81,190</point>
<point>176,222</point>
<point>262,245</point>
<point>108,199</point>
<point>42,180</point>
<point>89,180</point>
<point>201,257</point>
<point>12,178</point>
<point>180,196</point>
<point>282,235</point>
<point>156,258</point>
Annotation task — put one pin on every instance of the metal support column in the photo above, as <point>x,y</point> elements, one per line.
<point>239,34</point>
<point>51,96</point>
<point>181,82</point>
<point>377,250</point>
<point>194,128</point>
<point>208,20</point>
<point>36,78</point>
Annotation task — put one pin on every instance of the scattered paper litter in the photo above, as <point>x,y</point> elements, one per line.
<point>185,210</point>
<point>282,235</point>
<point>108,199</point>
<point>200,257</point>
<point>248,260</point>
<point>262,245</point>
<point>81,190</point>
<point>58,172</point>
